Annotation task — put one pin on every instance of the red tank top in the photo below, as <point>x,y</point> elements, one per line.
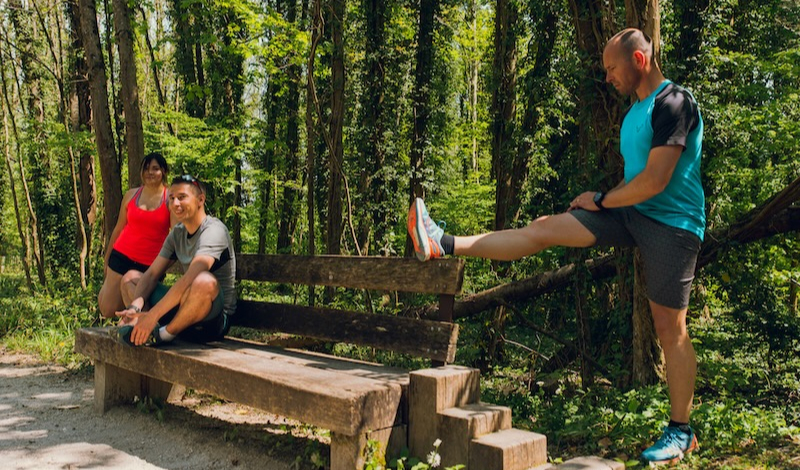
<point>143,235</point>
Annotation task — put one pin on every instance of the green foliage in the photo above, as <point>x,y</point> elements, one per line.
<point>432,460</point>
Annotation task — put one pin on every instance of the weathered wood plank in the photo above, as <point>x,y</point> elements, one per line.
<point>307,388</point>
<point>421,338</point>
<point>442,276</point>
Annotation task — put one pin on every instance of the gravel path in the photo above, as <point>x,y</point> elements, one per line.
<point>47,422</point>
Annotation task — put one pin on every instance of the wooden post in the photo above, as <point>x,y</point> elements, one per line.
<point>113,386</point>
<point>446,304</point>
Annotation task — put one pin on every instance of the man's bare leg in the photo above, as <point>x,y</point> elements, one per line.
<point>195,303</point>
<point>544,232</point>
<point>680,358</point>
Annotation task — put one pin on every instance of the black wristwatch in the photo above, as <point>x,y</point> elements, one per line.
<point>134,308</point>
<point>598,199</point>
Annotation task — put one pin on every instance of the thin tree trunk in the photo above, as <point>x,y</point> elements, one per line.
<point>101,118</point>
<point>119,125</point>
<point>504,109</point>
<point>311,137</point>
<point>648,358</point>
<point>269,158</point>
<point>22,237</point>
<point>80,115</point>
<point>288,218</point>
<point>36,115</point>
<point>154,67</point>
<point>134,134</point>
<point>428,10</point>
<point>473,75</point>
<point>185,59</point>
<point>686,60</point>
<point>57,69</point>
<point>334,225</point>
<point>372,187</point>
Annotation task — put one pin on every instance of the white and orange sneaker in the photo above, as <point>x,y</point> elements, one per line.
<point>426,235</point>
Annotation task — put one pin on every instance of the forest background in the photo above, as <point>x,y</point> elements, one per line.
<point>315,122</point>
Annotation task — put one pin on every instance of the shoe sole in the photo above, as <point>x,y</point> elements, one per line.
<point>421,243</point>
<point>674,460</point>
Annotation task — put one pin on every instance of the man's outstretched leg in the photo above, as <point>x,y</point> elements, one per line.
<point>430,241</point>
<point>681,362</point>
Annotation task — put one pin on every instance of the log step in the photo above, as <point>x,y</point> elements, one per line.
<point>458,426</point>
<point>510,449</point>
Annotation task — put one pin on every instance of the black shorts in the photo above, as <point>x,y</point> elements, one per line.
<point>121,264</point>
<point>669,253</point>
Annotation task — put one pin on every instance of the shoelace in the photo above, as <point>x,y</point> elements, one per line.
<point>671,439</point>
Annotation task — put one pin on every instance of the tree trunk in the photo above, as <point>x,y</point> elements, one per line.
<point>288,218</point>
<point>185,65</point>
<point>80,115</point>
<point>154,67</point>
<point>7,151</point>
<point>33,75</point>
<point>268,161</point>
<point>428,10</point>
<point>536,91</point>
<point>504,108</point>
<point>311,137</point>
<point>134,135</point>
<point>648,358</point>
<point>690,37</point>
<point>116,102</point>
<point>372,184</point>
<point>648,361</point>
<point>334,225</point>
<point>473,73</point>
<point>101,118</point>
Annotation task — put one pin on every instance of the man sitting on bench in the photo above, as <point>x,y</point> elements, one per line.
<point>197,306</point>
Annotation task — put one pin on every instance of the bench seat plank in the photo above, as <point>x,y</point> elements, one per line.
<point>421,338</point>
<point>440,276</point>
<point>310,388</point>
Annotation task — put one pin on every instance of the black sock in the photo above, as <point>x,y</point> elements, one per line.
<point>683,427</point>
<point>448,243</point>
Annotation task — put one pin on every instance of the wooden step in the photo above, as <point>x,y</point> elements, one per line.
<point>431,391</point>
<point>458,426</point>
<point>510,449</point>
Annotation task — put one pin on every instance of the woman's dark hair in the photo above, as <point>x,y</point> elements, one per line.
<point>162,162</point>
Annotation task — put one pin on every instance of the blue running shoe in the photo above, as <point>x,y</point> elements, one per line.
<point>426,235</point>
<point>671,447</point>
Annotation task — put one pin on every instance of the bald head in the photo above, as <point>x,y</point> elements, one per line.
<point>628,41</point>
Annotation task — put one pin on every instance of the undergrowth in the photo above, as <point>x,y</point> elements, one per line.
<point>746,412</point>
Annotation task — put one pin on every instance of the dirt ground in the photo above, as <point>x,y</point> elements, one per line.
<point>47,422</point>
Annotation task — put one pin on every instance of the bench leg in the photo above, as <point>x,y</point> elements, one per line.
<point>349,452</point>
<point>113,385</point>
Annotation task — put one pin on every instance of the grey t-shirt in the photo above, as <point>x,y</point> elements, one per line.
<point>212,239</point>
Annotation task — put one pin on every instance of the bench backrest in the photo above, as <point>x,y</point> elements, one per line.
<point>435,340</point>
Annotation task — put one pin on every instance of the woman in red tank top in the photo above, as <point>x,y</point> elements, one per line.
<point>143,224</point>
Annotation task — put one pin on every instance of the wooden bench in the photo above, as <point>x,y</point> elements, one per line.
<point>355,400</point>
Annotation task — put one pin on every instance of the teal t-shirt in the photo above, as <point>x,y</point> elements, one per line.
<point>669,116</point>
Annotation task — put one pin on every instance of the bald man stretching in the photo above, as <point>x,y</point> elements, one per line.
<point>659,207</point>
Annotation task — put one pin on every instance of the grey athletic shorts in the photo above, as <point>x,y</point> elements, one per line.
<point>669,253</point>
